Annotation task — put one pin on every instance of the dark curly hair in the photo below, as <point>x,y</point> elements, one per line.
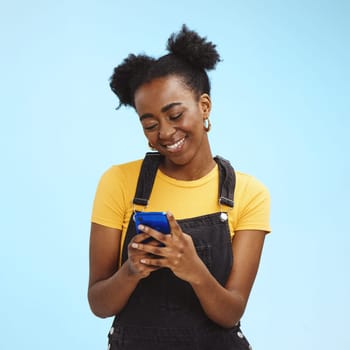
<point>189,57</point>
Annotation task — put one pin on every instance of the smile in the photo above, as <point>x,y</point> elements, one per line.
<point>175,146</point>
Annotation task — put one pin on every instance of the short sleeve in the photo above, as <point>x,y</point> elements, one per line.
<point>253,207</point>
<point>109,203</point>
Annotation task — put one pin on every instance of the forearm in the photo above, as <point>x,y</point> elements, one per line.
<point>222,306</point>
<point>108,297</point>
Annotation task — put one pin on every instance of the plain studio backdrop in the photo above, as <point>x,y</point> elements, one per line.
<point>280,112</point>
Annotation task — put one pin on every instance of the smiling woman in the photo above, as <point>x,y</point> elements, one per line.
<point>172,120</point>
<point>179,290</point>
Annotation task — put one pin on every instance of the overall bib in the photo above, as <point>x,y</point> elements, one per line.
<point>163,312</point>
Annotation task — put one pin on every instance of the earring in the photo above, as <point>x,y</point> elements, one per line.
<point>151,146</point>
<point>207,124</point>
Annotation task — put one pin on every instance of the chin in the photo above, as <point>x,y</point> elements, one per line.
<point>179,159</point>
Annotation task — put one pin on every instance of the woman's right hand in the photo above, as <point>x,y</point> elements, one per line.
<point>110,286</point>
<point>135,267</point>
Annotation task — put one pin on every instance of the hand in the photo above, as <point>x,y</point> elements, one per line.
<point>136,267</point>
<point>176,251</point>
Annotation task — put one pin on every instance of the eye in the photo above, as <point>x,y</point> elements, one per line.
<point>150,127</point>
<point>174,117</point>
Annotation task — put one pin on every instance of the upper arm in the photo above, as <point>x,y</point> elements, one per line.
<point>104,252</point>
<point>247,247</point>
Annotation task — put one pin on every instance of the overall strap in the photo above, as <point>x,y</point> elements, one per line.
<point>150,164</point>
<point>143,191</point>
<point>146,178</point>
<point>227,182</point>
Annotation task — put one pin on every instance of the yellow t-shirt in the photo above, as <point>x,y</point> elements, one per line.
<point>184,199</point>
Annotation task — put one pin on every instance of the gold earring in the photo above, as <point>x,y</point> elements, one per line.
<point>151,146</point>
<point>207,124</point>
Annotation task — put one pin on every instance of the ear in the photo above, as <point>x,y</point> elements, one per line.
<point>205,105</point>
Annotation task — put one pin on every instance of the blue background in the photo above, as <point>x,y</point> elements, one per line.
<point>280,112</point>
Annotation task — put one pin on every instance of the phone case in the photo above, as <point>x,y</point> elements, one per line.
<point>156,220</point>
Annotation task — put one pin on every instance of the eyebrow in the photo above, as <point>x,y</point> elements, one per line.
<point>163,110</point>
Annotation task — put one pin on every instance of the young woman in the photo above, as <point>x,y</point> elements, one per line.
<point>187,289</point>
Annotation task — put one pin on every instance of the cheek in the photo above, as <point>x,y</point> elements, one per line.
<point>148,137</point>
<point>151,137</point>
<point>196,123</point>
<point>194,120</point>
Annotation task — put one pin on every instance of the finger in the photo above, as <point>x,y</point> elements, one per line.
<point>175,228</point>
<point>140,237</point>
<point>159,236</point>
<point>158,250</point>
<point>153,242</point>
<point>144,269</point>
<point>155,262</point>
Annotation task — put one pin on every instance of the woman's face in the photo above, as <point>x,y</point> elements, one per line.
<point>172,119</point>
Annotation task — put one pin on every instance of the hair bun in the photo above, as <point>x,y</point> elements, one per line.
<point>194,49</point>
<point>127,76</point>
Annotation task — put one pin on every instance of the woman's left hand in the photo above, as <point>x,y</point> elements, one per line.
<point>176,251</point>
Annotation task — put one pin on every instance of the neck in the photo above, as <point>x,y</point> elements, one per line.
<point>193,170</point>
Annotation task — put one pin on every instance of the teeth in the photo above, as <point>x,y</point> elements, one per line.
<point>176,144</point>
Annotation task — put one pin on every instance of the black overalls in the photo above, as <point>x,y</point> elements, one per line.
<point>163,312</point>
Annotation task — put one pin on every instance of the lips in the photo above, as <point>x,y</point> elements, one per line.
<point>174,147</point>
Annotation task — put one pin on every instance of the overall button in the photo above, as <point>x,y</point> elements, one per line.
<point>223,217</point>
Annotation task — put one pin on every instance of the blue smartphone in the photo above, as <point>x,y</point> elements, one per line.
<point>154,219</point>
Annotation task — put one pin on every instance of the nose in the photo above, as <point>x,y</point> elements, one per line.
<point>166,130</point>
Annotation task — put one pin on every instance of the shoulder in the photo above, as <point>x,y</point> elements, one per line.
<point>252,204</point>
<point>246,185</point>
<point>249,184</point>
<point>119,171</point>
<point>120,178</point>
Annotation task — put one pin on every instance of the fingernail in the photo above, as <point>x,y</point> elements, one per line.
<point>143,261</point>
<point>141,227</point>
<point>134,245</point>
